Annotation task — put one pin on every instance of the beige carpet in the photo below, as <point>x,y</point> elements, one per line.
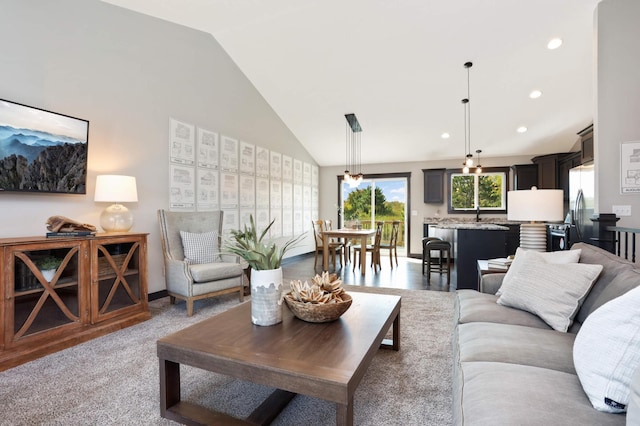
<point>113,380</point>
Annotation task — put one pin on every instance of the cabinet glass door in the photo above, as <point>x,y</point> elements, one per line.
<point>117,282</point>
<point>46,294</point>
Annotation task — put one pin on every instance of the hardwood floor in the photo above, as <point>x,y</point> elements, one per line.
<point>407,275</point>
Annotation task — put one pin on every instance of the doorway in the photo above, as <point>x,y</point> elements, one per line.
<point>381,197</point>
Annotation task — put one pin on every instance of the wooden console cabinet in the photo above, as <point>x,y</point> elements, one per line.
<point>100,287</point>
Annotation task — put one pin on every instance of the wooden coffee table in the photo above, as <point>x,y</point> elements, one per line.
<point>325,361</point>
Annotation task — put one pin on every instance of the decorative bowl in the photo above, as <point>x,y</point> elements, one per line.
<point>318,312</point>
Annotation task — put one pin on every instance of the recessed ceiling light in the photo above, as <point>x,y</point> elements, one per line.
<point>522,129</point>
<point>554,43</point>
<point>445,135</point>
<point>535,94</point>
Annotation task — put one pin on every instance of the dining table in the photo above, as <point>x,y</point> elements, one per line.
<point>346,233</point>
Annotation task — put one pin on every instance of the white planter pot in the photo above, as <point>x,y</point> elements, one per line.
<point>48,274</point>
<point>266,296</point>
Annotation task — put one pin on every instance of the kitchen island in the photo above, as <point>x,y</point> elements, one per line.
<point>472,241</point>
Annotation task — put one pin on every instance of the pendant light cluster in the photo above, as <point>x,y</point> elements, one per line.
<point>466,103</point>
<point>353,163</point>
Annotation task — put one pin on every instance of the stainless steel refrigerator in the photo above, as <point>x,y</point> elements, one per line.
<point>582,184</point>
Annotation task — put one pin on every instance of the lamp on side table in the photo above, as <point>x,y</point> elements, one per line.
<point>116,189</point>
<point>536,206</point>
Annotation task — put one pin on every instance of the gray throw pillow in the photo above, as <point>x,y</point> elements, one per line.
<point>200,248</point>
<point>554,292</point>
<point>523,256</point>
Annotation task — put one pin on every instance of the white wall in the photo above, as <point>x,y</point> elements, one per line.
<point>617,102</point>
<point>329,190</point>
<point>126,73</point>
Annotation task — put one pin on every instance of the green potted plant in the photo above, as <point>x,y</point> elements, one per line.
<point>265,259</point>
<point>48,266</point>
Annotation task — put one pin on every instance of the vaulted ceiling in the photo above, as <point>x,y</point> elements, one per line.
<point>398,65</point>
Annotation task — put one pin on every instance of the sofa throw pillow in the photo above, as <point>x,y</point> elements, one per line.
<point>554,292</point>
<point>200,248</point>
<point>522,257</point>
<point>606,352</point>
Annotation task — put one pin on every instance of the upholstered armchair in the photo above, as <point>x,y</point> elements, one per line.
<point>194,268</point>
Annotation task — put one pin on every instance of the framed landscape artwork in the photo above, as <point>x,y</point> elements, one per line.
<point>42,151</point>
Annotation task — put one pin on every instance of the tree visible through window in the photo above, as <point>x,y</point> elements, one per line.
<point>486,190</point>
<point>377,198</point>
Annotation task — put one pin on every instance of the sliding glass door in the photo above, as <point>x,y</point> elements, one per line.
<point>379,198</point>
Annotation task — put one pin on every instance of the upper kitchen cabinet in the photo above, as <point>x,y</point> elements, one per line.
<point>586,141</point>
<point>524,176</point>
<point>548,176</point>
<point>434,185</point>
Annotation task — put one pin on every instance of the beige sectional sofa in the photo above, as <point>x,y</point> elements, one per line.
<point>512,368</point>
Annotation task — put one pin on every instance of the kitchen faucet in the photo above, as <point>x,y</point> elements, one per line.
<point>478,213</point>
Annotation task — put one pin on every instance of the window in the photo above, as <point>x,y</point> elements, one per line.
<point>487,190</point>
<point>379,197</point>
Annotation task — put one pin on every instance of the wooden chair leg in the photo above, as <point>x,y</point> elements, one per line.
<point>172,300</point>
<point>189,307</point>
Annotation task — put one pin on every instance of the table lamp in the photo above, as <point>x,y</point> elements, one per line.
<point>536,206</point>
<point>116,189</point>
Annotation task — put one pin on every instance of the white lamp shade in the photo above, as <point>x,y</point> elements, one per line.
<point>536,205</point>
<point>116,189</point>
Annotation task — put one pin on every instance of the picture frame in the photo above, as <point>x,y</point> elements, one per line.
<point>41,150</point>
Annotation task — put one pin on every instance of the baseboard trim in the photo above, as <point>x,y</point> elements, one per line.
<point>158,295</point>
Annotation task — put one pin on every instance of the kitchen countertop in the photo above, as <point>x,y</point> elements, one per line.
<point>471,225</point>
<point>446,220</point>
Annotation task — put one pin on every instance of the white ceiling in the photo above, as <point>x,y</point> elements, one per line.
<point>398,65</point>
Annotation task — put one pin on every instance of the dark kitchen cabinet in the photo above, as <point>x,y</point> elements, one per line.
<point>586,142</point>
<point>433,185</point>
<point>525,176</point>
<point>547,171</point>
<point>474,245</point>
<point>567,163</point>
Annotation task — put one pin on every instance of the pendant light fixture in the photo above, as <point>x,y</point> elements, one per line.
<point>466,102</point>
<point>478,166</point>
<point>468,161</point>
<point>353,166</point>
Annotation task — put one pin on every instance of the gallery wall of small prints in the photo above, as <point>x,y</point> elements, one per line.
<point>211,171</point>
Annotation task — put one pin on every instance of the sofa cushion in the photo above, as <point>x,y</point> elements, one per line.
<point>607,352</point>
<point>554,292</point>
<point>524,257</point>
<point>516,344</point>
<point>472,306</point>
<point>200,248</point>
<point>495,393</point>
<point>214,271</point>
<point>613,267</point>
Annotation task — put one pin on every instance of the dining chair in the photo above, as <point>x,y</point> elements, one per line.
<point>393,242</point>
<point>335,247</point>
<point>374,249</point>
<point>328,224</point>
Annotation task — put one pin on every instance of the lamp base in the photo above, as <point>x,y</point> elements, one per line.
<point>533,236</point>
<point>116,218</point>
